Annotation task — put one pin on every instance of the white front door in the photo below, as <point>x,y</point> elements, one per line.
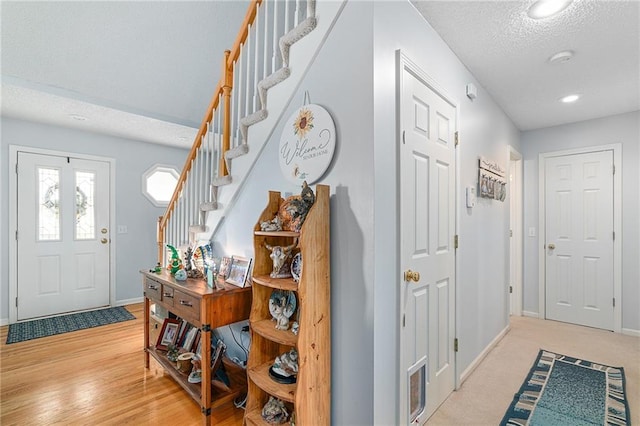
<point>63,235</point>
<point>579,239</point>
<point>427,286</point>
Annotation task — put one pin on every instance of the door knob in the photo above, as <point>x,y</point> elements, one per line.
<point>551,246</point>
<point>410,275</point>
<point>104,241</point>
<point>104,230</point>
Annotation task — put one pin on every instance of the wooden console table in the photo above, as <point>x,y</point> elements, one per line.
<point>206,308</point>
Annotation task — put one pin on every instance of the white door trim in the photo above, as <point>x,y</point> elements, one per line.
<point>617,226</point>
<point>405,63</point>
<point>515,224</point>
<point>13,219</point>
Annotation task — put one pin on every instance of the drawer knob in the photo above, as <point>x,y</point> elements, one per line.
<point>152,287</point>
<point>168,295</point>
<point>185,303</point>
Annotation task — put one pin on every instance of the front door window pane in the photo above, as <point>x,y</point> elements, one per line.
<point>49,204</point>
<point>85,211</point>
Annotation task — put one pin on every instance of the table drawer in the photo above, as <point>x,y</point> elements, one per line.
<point>168,295</point>
<point>152,289</point>
<point>187,305</point>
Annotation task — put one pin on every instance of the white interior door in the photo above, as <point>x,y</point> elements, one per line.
<point>427,199</point>
<point>579,239</point>
<point>63,235</point>
<point>515,233</point>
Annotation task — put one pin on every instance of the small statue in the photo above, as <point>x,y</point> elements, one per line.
<point>282,320</point>
<point>188,265</point>
<point>172,353</point>
<point>280,256</point>
<point>180,275</point>
<point>175,263</point>
<point>294,209</point>
<point>274,224</point>
<point>285,368</point>
<point>274,411</point>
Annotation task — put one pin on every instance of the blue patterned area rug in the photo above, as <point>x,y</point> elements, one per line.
<point>28,330</point>
<point>561,390</point>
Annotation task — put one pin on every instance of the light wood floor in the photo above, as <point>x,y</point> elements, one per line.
<point>93,376</point>
<point>97,376</point>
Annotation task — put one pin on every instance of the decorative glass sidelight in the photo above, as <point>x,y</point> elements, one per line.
<point>49,204</point>
<point>85,211</point>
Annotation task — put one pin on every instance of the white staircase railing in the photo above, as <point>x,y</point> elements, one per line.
<point>257,62</point>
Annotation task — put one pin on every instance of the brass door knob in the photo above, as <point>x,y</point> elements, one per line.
<point>104,241</point>
<point>410,275</point>
<point>551,246</point>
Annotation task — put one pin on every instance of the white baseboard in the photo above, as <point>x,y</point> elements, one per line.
<point>631,332</point>
<point>467,372</point>
<point>128,301</point>
<point>4,321</point>
<point>530,314</point>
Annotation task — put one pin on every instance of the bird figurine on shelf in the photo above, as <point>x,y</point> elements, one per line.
<point>294,209</point>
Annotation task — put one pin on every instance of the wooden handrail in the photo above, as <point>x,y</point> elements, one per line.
<point>223,87</point>
<point>244,32</point>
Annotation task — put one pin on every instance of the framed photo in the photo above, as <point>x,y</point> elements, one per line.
<point>168,334</point>
<point>239,271</point>
<point>225,265</point>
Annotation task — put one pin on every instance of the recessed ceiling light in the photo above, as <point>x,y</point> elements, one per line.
<point>561,57</point>
<point>570,98</point>
<point>544,8</point>
<point>78,117</point>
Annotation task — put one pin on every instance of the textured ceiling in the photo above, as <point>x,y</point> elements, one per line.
<point>146,70</point>
<point>507,52</point>
<point>129,64</point>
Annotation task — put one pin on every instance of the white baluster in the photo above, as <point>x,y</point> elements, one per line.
<point>187,205</point>
<point>265,69</point>
<point>286,17</point>
<point>217,131</point>
<point>240,98</point>
<point>234,104</point>
<point>247,82</point>
<point>311,8</point>
<point>207,158</point>
<point>256,59</point>
<point>274,60</point>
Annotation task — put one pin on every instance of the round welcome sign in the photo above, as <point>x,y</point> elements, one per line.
<point>307,144</point>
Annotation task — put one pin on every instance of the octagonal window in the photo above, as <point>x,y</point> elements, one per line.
<point>158,184</point>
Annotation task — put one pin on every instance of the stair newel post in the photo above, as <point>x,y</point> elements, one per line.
<point>160,239</point>
<point>226,93</point>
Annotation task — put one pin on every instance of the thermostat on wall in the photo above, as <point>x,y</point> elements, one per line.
<point>471,196</point>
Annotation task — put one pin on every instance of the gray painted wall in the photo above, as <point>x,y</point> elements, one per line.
<point>354,78</point>
<point>482,259</point>
<point>623,129</point>
<point>346,92</point>
<point>137,248</point>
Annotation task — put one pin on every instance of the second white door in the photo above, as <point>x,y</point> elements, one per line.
<point>427,164</point>
<point>579,239</point>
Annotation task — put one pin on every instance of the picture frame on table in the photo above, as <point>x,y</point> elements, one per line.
<point>168,333</point>
<point>239,271</point>
<point>225,265</point>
